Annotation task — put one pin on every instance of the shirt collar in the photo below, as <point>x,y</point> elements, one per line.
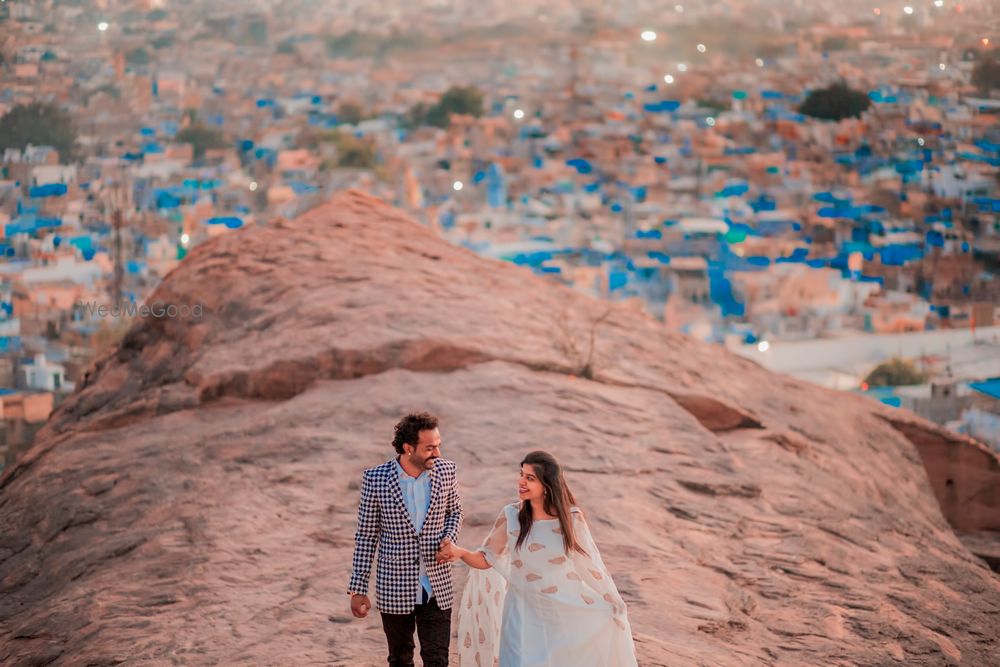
<point>405,476</point>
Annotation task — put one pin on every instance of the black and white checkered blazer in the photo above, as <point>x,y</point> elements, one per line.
<point>384,521</point>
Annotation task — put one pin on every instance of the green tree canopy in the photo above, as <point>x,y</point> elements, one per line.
<point>139,56</point>
<point>163,41</point>
<point>895,372</point>
<point>353,152</point>
<point>716,104</point>
<point>38,124</point>
<point>351,113</point>
<point>414,117</point>
<point>457,99</point>
<point>202,137</point>
<point>986,74</point>
<point>835,103</point>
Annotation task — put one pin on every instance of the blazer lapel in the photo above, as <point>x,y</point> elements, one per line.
<point>397,494</point>
<point>435,489</point>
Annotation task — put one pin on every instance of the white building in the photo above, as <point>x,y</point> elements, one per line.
<point>40,374</point>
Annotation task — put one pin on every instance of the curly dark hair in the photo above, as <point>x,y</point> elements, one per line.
<point>409,427</point>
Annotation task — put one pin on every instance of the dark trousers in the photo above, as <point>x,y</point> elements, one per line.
<point>433,628</point>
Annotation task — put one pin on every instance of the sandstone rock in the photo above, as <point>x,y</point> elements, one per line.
<point>194,501</point>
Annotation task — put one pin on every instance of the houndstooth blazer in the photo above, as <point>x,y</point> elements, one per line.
<point>384,521</point>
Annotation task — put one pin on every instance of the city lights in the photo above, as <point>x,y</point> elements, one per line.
<point>457,185</point>
<point>648,36</point>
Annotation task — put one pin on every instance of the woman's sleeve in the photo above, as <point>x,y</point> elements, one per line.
<point>591,567</point>
<point>494,547</point>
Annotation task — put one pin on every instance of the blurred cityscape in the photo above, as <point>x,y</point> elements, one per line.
<point>812,184</point>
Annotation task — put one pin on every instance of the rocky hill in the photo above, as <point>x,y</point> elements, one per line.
<point>194,501</point>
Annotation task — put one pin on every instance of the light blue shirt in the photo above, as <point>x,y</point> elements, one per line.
<point>417,497</point>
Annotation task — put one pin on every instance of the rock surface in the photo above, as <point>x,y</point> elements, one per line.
<point>194,502</point>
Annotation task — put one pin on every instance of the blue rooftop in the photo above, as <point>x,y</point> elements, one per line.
<point>989,387</point>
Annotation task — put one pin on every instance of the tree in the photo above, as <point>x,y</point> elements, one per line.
<point>415,117</point>
<point>456,100</point>
<point>38,124</point>
<point>350,113</point>
<point>352,44</point>
<point>257,32</point>
<point>715,104</point>
<point>139,56</point>
<point>835,103</point>
<point>353,152</point>
<point>579,350</point>
<point>462,100</point>
<point>163,41</point>
<point>986,75</point>
<point>835,43</point>
<point>202,137</point>
<point>895,372</point>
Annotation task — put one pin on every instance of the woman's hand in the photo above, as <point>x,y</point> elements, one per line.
<point>448,552</point>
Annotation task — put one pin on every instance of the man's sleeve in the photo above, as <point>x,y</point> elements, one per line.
<point>453,515</point>
<point>366,537</point>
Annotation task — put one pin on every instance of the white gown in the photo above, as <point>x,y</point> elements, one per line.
<point>542,607</point>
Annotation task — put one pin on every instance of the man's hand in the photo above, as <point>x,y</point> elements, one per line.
<point>447,552</point>
<point>360,605</point>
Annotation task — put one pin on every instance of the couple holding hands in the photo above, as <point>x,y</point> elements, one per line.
<point>538,593</point>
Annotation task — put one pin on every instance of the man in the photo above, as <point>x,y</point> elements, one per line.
<point>409,507</point>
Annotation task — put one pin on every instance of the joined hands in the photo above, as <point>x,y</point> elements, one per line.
<point>448,552</point>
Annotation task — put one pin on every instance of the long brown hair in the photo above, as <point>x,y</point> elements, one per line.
<point>558,500</point>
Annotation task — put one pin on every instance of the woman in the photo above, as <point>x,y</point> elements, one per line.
<point>539,594</point>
